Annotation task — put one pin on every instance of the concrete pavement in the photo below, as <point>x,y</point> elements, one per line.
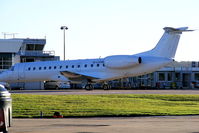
<point>171,124</point>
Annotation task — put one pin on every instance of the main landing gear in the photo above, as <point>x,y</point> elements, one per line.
<point>89,87</point>
<point>106,86</point>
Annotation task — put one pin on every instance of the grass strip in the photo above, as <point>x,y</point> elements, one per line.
<point>30,106</point>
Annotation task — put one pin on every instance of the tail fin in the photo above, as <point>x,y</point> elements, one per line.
<point>167,45</point>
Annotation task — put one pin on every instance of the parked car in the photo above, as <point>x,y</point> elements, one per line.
<point>56,85</point>
<point>6,85</point>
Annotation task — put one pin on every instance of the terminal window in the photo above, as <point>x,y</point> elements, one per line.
<point>197,76</point>
<point>161,76</point>
<point>177,76</point>
<point>34,47</point>
<point>5,60</point>
<point>169,76</point>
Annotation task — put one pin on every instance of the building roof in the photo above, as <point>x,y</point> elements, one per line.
<point>10,45</point>
<point>14,45</point>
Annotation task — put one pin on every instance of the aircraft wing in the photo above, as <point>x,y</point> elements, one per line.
<point>76,75</point>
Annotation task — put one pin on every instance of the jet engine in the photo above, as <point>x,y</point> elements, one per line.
<point>122,61</point>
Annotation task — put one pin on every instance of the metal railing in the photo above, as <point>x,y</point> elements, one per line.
<point>37,53</point>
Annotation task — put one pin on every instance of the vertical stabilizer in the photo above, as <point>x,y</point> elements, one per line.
<point>167,45</point>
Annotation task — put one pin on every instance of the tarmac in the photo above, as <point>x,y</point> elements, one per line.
<point>171,124</point>
<point>102,92</point>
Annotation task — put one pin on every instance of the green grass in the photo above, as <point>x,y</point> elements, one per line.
<point>29,106</point>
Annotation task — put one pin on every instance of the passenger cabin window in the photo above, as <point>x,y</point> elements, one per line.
<point>60,67</point>
<point>91,65</point>
<point>66,66</point>
<point>39,68</point>
<point>78,66</point>
<point>50,67</point>
<point>29,69</point>
<point>44,68</point>
<point>55,67</point>
<point>97,65</point>
<point>193,64</point>
<point>34,68</point>
<point>73,66</point>
<point>85,65</point>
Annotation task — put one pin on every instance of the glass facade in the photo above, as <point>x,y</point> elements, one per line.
<point>196,76</point>
<point>34,47</point>
<point>5,60</point>
<point>161,76</point>
<point>169,76</point>
<point>177,76</point>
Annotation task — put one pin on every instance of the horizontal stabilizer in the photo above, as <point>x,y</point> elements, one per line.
<point>176,30</point>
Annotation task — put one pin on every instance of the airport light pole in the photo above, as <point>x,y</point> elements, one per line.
<point>64,28</point>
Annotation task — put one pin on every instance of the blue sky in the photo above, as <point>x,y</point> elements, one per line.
<point>98,28</point>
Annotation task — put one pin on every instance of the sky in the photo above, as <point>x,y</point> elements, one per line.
<point>99,28</point>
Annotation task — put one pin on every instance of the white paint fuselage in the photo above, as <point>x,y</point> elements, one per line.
<point>50,70</point>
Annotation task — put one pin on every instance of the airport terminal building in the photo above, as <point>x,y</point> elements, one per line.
<point>19,50</point>
<point>178,75</point>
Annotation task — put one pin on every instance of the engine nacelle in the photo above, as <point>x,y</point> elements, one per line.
<point>122,61</point>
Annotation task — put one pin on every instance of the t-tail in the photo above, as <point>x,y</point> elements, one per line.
<point>167,45</point>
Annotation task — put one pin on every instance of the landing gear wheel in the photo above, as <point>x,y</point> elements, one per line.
<point>89,87</point>
<point>129,85</point>
<point>56,87</point>
<point>106,87</point>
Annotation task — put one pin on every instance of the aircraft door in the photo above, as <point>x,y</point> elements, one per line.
<point>21,71</point>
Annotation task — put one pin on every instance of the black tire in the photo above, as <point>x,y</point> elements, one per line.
<point>106,87</point>
<point>89,87</point>
<point>109,87</point>
<point>57,88</point>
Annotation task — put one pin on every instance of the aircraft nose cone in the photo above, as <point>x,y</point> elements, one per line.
<point>3,76</point>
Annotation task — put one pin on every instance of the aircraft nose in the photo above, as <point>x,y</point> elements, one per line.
<point>3,76</point>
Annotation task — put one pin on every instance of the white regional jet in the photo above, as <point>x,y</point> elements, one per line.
<point>88,71</point>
